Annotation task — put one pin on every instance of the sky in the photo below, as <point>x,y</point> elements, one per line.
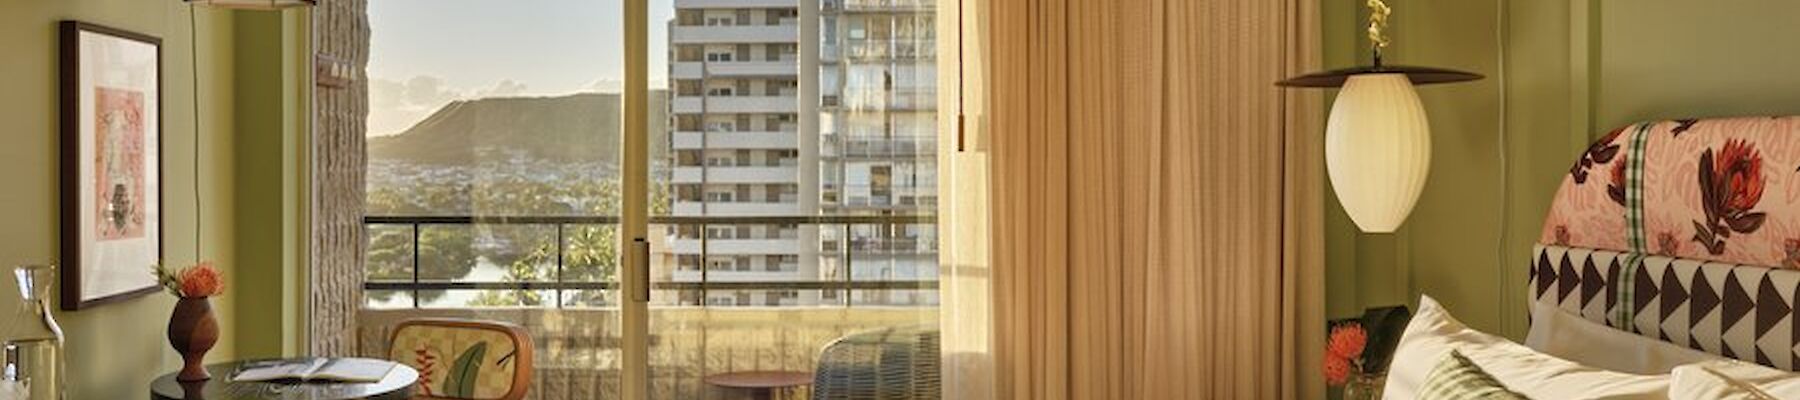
<point>426,53</point>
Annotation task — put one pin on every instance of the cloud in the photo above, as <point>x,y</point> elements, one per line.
<point>607,85</point>
<point>504,88</point>
<point>427,90</point>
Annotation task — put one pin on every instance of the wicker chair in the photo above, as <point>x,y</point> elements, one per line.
<point>888,363</point>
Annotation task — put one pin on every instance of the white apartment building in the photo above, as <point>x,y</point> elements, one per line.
<point>765,123</point>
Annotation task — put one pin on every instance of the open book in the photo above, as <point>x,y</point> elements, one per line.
<point>307,369</point>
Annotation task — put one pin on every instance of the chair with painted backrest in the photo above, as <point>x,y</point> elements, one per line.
<point>464,359</point>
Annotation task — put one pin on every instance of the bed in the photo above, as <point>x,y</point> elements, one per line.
<point>1668,267</point>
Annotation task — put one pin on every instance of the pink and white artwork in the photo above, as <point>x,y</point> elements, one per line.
<point>119,164</point>
<point>111,163</point>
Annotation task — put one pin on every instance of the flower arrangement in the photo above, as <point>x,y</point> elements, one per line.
<point>1343,352</point>
<point>201,280</point>
<point>1358,351</point>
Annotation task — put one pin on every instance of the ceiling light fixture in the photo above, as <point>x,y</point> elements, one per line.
<point>1377,139</point>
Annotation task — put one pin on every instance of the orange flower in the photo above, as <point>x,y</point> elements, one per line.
<point>201,280</point>
<point>1337,370</point>
<point>1347,341</point>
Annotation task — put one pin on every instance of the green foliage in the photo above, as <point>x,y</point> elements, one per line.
<point>521,269</point>
<point>445,252</point>
<point>451,252</point>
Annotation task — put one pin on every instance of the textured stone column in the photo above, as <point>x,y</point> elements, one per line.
<point>340,31</point>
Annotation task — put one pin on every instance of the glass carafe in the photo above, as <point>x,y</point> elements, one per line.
<point>33,340</point>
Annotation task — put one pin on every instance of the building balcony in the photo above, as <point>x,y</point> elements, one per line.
<point>580,347</point>
<point>752,247</point>
<point>734,174</point>
<point>791,315</point>
<point>880,148</point>
<point>703,4</point>
<point>687,140</point>
<point>747,209</point>
<point>736,104</point>
<point>788,273</point>
<point>702,34</point>
<point>876,5</point>
<point>733,69</point>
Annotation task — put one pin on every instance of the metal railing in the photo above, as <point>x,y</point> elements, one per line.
<point>845,282</point>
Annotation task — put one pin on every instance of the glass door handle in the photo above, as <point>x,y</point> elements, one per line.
<point>640,251</point>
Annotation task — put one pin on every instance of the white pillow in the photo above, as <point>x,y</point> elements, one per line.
<point>1557,332</point>
<point>1732,379</point>
<point>1433,332</point>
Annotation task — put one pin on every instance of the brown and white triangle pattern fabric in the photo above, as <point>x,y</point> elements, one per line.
<point>1742,312</point>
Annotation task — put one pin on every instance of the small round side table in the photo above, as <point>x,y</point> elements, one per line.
<point>764,383</point>
<point>397,384</point>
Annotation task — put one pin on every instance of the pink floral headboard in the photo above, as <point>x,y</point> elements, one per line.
<point>1716,189</point>
<point>1685,231</point>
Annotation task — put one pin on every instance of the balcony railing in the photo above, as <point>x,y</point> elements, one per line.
<point>844,282</point>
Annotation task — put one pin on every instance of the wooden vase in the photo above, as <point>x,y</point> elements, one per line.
<point>192,332</point>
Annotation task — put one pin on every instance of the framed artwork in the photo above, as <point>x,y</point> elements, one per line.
<point>111,95</point>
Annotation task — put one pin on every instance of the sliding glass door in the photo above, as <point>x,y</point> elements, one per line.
<point>677,198</point>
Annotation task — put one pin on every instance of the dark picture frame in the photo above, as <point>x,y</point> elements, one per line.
<point>110,97</point>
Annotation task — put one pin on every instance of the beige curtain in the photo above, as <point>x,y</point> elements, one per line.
<point>1155,200</point>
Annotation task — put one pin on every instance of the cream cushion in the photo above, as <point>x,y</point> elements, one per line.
<point>1732,379</point>
<point>1433,332</point>
<point>1559,333</point>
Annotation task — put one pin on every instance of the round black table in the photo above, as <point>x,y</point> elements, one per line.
<point>397,384</point>
<point>765,383</point>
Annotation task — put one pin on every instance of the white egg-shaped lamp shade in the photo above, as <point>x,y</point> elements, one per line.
<point>1377,149</point>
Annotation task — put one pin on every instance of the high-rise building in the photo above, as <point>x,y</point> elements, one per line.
<point>781,108</point>
<point>877,113</point>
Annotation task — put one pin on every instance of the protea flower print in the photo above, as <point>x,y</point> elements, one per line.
<point>1730,187</point>
<point>1682,126</point>
<point>1667,244</point>
<point>1601,152</point>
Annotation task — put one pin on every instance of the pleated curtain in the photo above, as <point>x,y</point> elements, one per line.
<point>1154,200</point>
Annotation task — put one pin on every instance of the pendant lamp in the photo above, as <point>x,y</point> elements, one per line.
<point>1377,139</point>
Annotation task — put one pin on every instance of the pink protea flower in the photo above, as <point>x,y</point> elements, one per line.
<point>201,280</point>
<point>1739,169</point>
<point>1337,370</point>
<point>1347,341</point>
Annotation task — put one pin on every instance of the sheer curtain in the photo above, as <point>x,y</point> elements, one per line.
<point>1153,200</point>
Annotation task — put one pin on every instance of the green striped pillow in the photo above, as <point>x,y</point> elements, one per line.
<point>1456,378</point>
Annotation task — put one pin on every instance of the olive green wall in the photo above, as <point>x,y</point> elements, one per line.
<point>271,98</point>
<point>115,349</point>
<point>1558,72</point>
<point>1672,58</point>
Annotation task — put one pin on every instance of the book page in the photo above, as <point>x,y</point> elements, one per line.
<point>287,369</point>
<point>353,370</point>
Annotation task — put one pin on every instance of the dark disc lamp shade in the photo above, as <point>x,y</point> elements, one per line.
<point>255,4</point>
<point>1418,76</point>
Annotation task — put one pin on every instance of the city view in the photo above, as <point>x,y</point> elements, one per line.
<point>749,175</point>
<point>792,186</point>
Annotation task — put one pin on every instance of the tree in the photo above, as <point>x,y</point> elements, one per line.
<point>445,253</point>
<point>523,269</point>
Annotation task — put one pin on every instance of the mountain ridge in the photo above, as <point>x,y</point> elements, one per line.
<point>581,127</point>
